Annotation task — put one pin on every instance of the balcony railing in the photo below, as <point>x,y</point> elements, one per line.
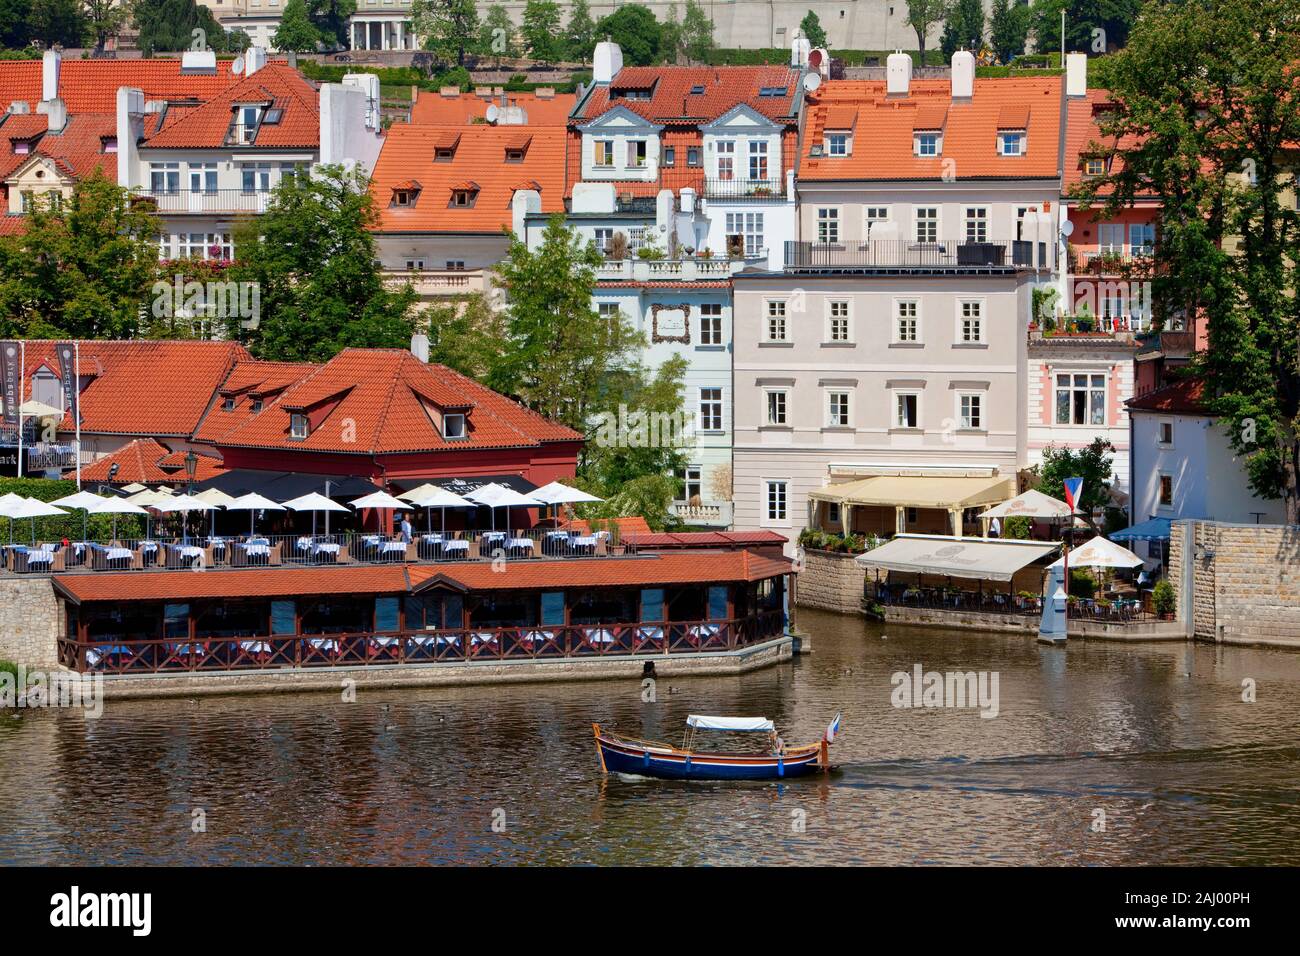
<point>684,270</point>
<point>895,254</point>
<point>755,190</point>
<point>438,282</point>
<point>182,201</point>
<point>711,514</point>
<point>48,457</point>
<point>1105,262</point>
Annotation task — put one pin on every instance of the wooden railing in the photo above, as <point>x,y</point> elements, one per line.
<point>534,642</point>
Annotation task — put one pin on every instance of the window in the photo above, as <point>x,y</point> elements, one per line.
<point>227,404</point>
<point>610,312</point>
<point>463,198</point>
<point>455,265</point>
<point>444,154</point>
<point>403,197</point>
<point>776,406</point>
<point>692,483</point>
<point>414,265</point>
<point>1166,433</point>
<point>514,155</point>
<point>255,406</point>
<point>907,326</point>
<point>604,239</point>
<point>255,177</point>
<point>727,159</point>
<point>637,153</point>
<point>837,409</point>
<point>776,329</point>
<point>970,411</point>
<point>977,224</point>
<point>1094,166</point>
<point>907,410</point>
<point>775,494</point>
<point>453,426</point>
<point>872,216</point>
<point>203,177</point>
<point>1166,489</point>
<point>832,512</point>
<point>204,245</point>
<point>1142,238</point>
<point>758,159</point>
<point>1110,237</point>
<point>748,226</point>
<point>927,224</point>
<point>927,144</point>
<point>970,319</point>
<point>1011,143</point>
<point>711,324</point>
<point>670,156</point>
<point>837,321</point>
<point>297,426</point>
<point>828,225</point>
<point>164,177</point>
<point>1080,399</point>
<point>711,409</point>
<point>837,144</point>
<point>603,155</point>
<point>692,156</point>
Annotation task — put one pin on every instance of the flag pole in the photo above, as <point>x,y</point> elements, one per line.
<point>76,408</point>
<point>22,369</point>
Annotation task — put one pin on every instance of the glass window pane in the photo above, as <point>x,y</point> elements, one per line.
<point>717,603</point>
<point>1098,408</point>
<point>176,620</point>
<point>282,617</point>
<point>652,604</point>
<point>553,608</point>
<point>453,611</point>
<point>386,615</point>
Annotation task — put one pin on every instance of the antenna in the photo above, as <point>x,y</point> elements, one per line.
<point>237,68</point>
<point>493,113</point>
<point>812,81</point>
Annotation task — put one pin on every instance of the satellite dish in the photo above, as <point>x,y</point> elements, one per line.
<point>1067,228</point>
<point>493,113</point>
<point>237,67</point>
<point>812,81</point>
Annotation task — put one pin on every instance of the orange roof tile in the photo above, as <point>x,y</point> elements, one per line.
<point>150,462</point>
<point>1084,138</point>
<point>77,150</point>
<point>247,382</point>
<point>674,98</point>
<point>434,109</point>
<point>385,396</point>
<point>208,125</point>
<point>90,86</point>
<point>884,150</point>
<point>232,583</point>
<point>479,162</point>
<point>1184,397</point>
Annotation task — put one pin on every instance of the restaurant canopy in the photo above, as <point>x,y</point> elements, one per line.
<point>982,558</point>
<point>919,491</point>
<point>1153,529</point>
<point>283,485</point>
<point>463,485</point>
<point>702,722</point>
<point>1030,504</point>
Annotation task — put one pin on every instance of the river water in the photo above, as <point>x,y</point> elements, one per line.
<point>1101,753</point>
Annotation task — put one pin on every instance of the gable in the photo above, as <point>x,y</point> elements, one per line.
<point>620,119</point>
<point>741,118</point>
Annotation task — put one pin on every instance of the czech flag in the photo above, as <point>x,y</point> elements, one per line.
<point>832,729</point>
<point>1073,492</point>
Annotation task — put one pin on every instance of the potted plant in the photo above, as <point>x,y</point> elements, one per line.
<point>1164,599</point>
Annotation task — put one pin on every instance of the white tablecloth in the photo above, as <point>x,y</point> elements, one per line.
<point>256,647</point>
<point>520,543</point>
<point>455,545</point>
<point>256,548</point>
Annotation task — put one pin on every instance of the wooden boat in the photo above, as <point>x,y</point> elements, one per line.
<point>650,758</point>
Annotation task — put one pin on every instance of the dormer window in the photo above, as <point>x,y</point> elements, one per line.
<point>514,155</point>
<point>298,427</point>
<point>108,144</point>
<point>443,154</point>
<point>228,405</point>
<point>405,193</point>
<point>1094,166</point>
<point>255,406</point>
<point>603,153</point>
<point>697,89</point>
<point>928,144</point>
<point>1011,142</point>
<point>638,152</point>
<point>837,144</point>
<point>243,130</point>
<point>772,91</point>
<point>22,147</point>
<point>453,427</point>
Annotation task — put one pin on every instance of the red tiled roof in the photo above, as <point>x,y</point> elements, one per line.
<point>147,461</point>
<point>12,225</point>
<point>248,380</point>
<point>434,109</point>
<point>883,149</point>
<point>90,86</point>
<point>233,583</point>
<point>1084,138</point>
<point>702,539</point>
<point>77,150</point>
<point>673,102</point>
<point>207,125</point>
<point>695,567</point>
<point>479,163</point>
<point>665,284</point>
<point>1185,397</point>
<point>384,396</point>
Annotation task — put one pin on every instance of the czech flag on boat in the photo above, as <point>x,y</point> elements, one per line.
<point>1073,492</point>
<point>832,729</point>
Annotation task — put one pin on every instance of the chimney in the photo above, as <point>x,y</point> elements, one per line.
<point>544,92</point>
<point>56,112</point>
<point>606,62</point>
<point>963,75</point>
<point>254,59</point>
<point>799,50</point>
<point>20,106</point>
<point>420,346</point>
<point>50,75</point>
<point>1076,74</point>
<point>898,73</point>
<point>130,127</point>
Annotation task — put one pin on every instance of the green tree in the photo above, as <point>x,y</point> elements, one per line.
<point>1094,464</point>
<point>671,41</point>
<point>811,27</point>
<point>168,25</point>
<point>449,27</point>
<point>314,257</point>
<point>541,30</point>
<point>963,27</point>
<point>580,34</point>
<point>15,33</point>
<point>697,32</point>
<point>634,28</point>
<point>103,19</point>
<point>296,31</point>
<point>330,17</point>
<point>467,335</point>
<point>496,37</point>
<point>1008,29</point>
<point>1091,26</point>
<point>56,21</point>
<point>921,16</point>
<point>82,268</point>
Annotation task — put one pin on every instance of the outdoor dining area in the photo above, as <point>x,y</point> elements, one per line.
<point>202,529</point>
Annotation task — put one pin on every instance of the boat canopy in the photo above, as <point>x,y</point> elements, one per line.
<point>700,722</point>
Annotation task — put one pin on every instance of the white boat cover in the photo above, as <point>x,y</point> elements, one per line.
<point>700,722</point>
<point>983,558</point>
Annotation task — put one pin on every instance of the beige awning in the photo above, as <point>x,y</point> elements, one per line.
<point>927,491</point>
<point>982,558</point>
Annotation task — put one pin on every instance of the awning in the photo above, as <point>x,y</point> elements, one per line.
<point>1153,529</point>
<point>981,558</point>
<point>284,485</point>
<point>919,491</point>
<point>461,486</point>
<point>701,722</point>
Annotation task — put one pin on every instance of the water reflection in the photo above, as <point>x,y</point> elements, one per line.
<point>1156,736</point>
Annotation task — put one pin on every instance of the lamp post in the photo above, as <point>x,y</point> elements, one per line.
<point>191,466</point>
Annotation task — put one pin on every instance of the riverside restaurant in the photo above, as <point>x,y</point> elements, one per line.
<point>262,618</point>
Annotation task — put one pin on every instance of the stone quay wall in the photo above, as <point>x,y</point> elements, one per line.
<point>31,621</point>
<point>831,582</point>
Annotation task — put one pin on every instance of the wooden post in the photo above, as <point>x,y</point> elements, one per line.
<point>595,731</point>
<point>825,756</point>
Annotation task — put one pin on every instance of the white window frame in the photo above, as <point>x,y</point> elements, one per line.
<point>828,329</point>
<point>869,220</point>
<point>982,424</point>
<point>837,403</point>
<point>596,148</point>
<point>897,317</point>
<point>711,333</point>
<point>449,432</point>
<point>959,335</point>
<point>920,138</point>
<point>632,161</point>
<point>826,222</point>
<point>837,144</point>
<point>295,420</point>
<point>1160,426</point>
<point>933,221</point>
<point>1008,136</point>
<point>726,150</point>
<point>766,517</point>
<point>768,396</point>
<point>1138,244</point>
<point>758,155</point>
<point>703,424</point>
<point>749,226</point>
<point>1088,389</point>
<point>768,316</point>
<point>898,393</point>
<point>979,222</point>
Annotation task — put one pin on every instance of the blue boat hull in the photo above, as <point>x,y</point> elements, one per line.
<point>625,758</point>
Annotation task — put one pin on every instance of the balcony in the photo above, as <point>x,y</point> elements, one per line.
<point>708,514</point>
<point>744,190</point>
<point>210,201</point>
<point>53,457</point>
<point>675,270</point>
<point>435,283</point>
<point>903,255</point>
<point>1111,262</point>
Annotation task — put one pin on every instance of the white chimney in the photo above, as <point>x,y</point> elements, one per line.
<point>963,75</point>
<point>523,203</point>
<point>254,59</point>
<point>420,346</point>
<point>19,106</point>
<point>199,61</point>
<point>799,50</point>
<point>50,75</point>
<point>898,73</point>
<point>130,127</point>
<point>1076,74</point>
<point>56,113</point>
<point>606,61</point>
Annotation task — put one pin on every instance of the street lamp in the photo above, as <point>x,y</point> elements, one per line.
<point>191,466</point>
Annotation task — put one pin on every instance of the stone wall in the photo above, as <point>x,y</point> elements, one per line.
<point>31,621</point>
<point>830,581</point>
<point>1244,581</point>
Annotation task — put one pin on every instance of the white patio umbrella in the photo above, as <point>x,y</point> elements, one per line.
<point>253,503</point>
<point>379,500</point>
<point>28,508</point>
<point>1100,553</point>
<point>148,497</point>
<point>115,507</point>
<point>182,504</point>
<point>133,487</point>
<point>499,496</point>
<point>560,494</point>
<point>6,502</point>
<point>315,502</point>
<point>433,496</point>
<point>83,500</point>
<point>1030,504</point>
<point>214,496</point>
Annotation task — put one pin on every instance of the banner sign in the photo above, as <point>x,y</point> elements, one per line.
<point>68,373</point>
<point>10,377</point>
